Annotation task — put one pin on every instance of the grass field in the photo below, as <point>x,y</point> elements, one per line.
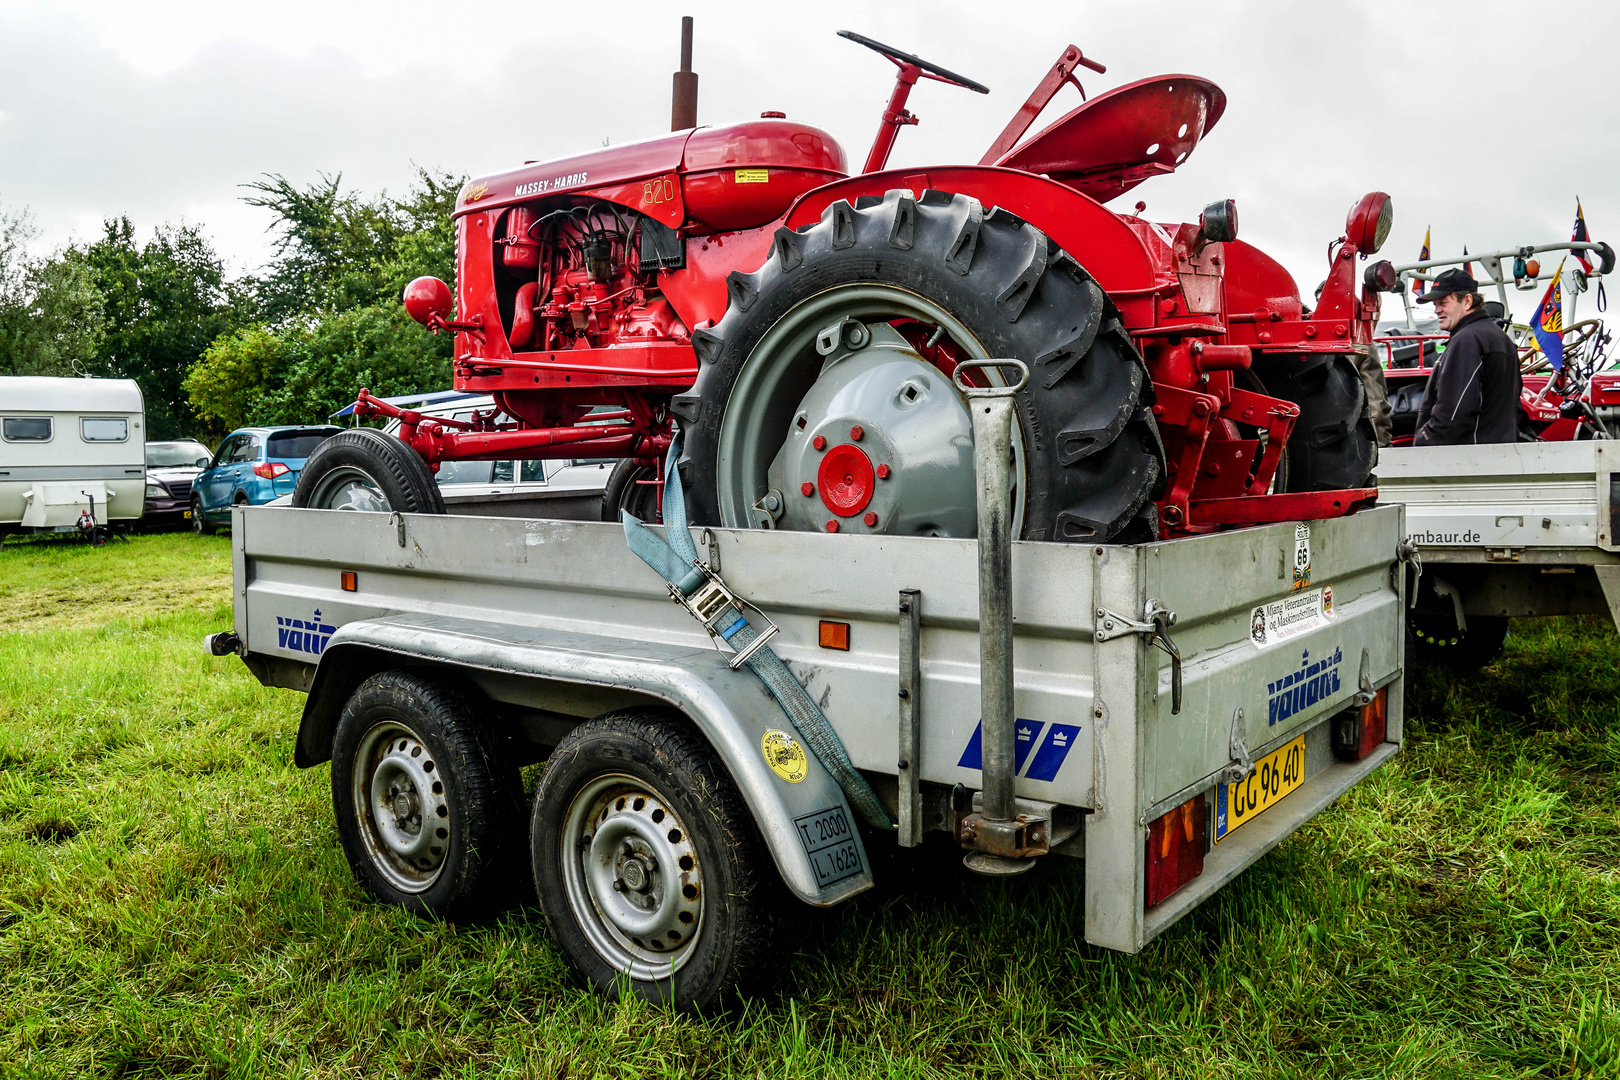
<point>173,901</point>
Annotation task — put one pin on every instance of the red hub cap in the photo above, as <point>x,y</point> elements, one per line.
<point>846,480</point>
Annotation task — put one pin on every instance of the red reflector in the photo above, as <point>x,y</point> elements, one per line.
<point>1175,848</point>
<point>271,469</point>
<point>1357,732</point>
<point>835,635</point>
<point>347,578</point>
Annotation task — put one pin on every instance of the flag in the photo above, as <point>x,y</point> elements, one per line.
<point>1468,267</point>
<point>1423,256</point>
<point>1548,321</point>
<point>1580,237</point>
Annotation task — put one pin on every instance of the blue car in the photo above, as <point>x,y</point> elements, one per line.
<point>252,466</point>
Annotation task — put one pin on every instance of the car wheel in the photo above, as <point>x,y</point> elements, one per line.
<point>429,812</point>
<point>199,522</point>
<point>650,870</point>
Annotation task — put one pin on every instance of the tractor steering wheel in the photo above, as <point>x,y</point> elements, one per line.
<point>932,71</point>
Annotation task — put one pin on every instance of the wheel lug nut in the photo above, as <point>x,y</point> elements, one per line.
<point>627,850</point>
<point>883,472</point>
<point>808,488</point>
<point>618,886</point>
<point>856,432</point>
<point>819,442</point>
<point>870,519</point>
<point>832,526</point>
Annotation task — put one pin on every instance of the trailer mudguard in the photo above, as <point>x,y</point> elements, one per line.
<point>731,708</point>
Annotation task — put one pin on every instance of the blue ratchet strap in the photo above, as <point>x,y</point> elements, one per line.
<point>701,591</point>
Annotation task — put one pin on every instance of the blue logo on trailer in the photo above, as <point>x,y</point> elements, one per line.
<point>1054,748</point>
<point>304,635</point>
<point>1301,689</point>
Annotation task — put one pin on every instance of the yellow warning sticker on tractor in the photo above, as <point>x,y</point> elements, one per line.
<point>784,755</point>
<point>753,176</point>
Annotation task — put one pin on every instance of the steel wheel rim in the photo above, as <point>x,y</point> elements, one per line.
<point>349,488</point>
<point>765,386</point>
<point>401,804</point>
<point>619,829</point>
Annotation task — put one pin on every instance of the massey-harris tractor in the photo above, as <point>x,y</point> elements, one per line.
<point>801,323</point>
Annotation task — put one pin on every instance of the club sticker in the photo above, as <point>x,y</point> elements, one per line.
<point>1295,614</point>
<point>1302,555</point>
<point>784,755</point>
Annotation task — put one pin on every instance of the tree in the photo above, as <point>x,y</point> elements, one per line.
<point>164,302</point>
<point>51,314</point>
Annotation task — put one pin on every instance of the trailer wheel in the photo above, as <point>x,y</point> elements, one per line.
<point>823,399</point>
<point>651,872</point>
<point>625,491</point>
<point>199,522</point>
<point>1333,444</point>
<point>363,469</point>
<point>429,813</point>
<point>1436,639</point>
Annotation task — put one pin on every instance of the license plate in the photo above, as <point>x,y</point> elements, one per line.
<point>187,513</point>
<point>1274,776</point>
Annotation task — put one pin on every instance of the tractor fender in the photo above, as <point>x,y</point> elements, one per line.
<point>527,667</point>
<point>1093,235</point>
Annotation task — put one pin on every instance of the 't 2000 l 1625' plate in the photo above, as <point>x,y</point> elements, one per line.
<point>1274,776</point>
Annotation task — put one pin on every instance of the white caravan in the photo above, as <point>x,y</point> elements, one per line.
<point>68,447</point>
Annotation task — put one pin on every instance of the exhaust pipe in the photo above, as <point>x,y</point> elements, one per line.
<point>684,112</point>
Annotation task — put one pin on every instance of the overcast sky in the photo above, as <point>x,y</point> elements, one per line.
<point>161,110</point>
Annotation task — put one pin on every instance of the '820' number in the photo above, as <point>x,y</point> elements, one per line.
<point>659,190</point>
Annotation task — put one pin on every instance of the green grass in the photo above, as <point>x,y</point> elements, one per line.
<point>173,901</point>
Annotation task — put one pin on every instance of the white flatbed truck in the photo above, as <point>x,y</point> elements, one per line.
<point>1503,531</point>
<point>440,653</point>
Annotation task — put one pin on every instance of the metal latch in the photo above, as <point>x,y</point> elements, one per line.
<point>1406,552</point>
<point>1242,764</point>
<point>1158,620</point>
<point>1507,554</point>
<point>709,604</point>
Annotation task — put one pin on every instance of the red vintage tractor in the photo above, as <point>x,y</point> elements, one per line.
<point>802,325</point>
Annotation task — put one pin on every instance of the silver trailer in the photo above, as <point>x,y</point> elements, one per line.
<point>1506,530</point>
<point>1177,710</point>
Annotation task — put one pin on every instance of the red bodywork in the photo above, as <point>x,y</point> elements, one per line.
<point>552,333</point>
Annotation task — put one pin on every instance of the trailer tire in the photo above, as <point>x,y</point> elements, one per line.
<point>429,811</point>
<point>1333,444</point>
<point>1437,640</point>
<point>364,469</point>
<point>630,806</point>
<point>624,491</point>
<point>989,284</point>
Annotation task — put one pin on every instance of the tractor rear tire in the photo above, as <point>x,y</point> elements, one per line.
<point>1090,453</point>
<point>1333,445</point>
<point>363,469</point>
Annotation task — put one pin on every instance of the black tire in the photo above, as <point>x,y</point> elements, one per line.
<point>415,737</point>
<point>1333,445</point>
<point>625,491</point>
<point>1435,639</point>
<point>363,469</point>
<point>621,780</point>
<point>199,521</point>
<point>1091,450</point>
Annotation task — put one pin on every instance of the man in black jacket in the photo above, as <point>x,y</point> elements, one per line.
<point>1473,392</point>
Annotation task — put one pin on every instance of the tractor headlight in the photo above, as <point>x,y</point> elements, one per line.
<point>1369,223</point>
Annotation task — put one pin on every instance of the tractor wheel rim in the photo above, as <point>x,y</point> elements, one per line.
<point>349,488</point>
<point>402,806</point>
<point>772,394</point>
<point>632,876</point>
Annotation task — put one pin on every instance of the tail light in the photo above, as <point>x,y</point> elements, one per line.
<point>1175,848</point>
<point>271,469</point>
<point>1358,731</point>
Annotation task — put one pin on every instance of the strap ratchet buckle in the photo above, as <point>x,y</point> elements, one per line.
<point>711,602</point>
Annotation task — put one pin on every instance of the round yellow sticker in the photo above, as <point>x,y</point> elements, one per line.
<point>784,755</point>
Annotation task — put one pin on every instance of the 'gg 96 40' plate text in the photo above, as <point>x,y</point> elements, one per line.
<point>1274,776</point>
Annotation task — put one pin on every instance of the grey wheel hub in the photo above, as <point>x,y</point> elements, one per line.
<point>632,876</point>
<point>404,812</point>
<point>882,443</point>
<point>349,488</point>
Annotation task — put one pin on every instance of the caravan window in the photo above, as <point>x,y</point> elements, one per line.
<point>104,428</point>
<point>26,428</point>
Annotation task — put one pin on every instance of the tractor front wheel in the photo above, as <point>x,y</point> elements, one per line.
<point>363,469</point>
<point>824,399</point>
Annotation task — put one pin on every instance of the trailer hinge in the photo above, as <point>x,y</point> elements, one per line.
<point>1156,624</point>
<point>1242,764</point>
<point>710,602</point>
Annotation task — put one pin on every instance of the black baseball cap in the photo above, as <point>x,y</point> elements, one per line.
<point>1451,281</point>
